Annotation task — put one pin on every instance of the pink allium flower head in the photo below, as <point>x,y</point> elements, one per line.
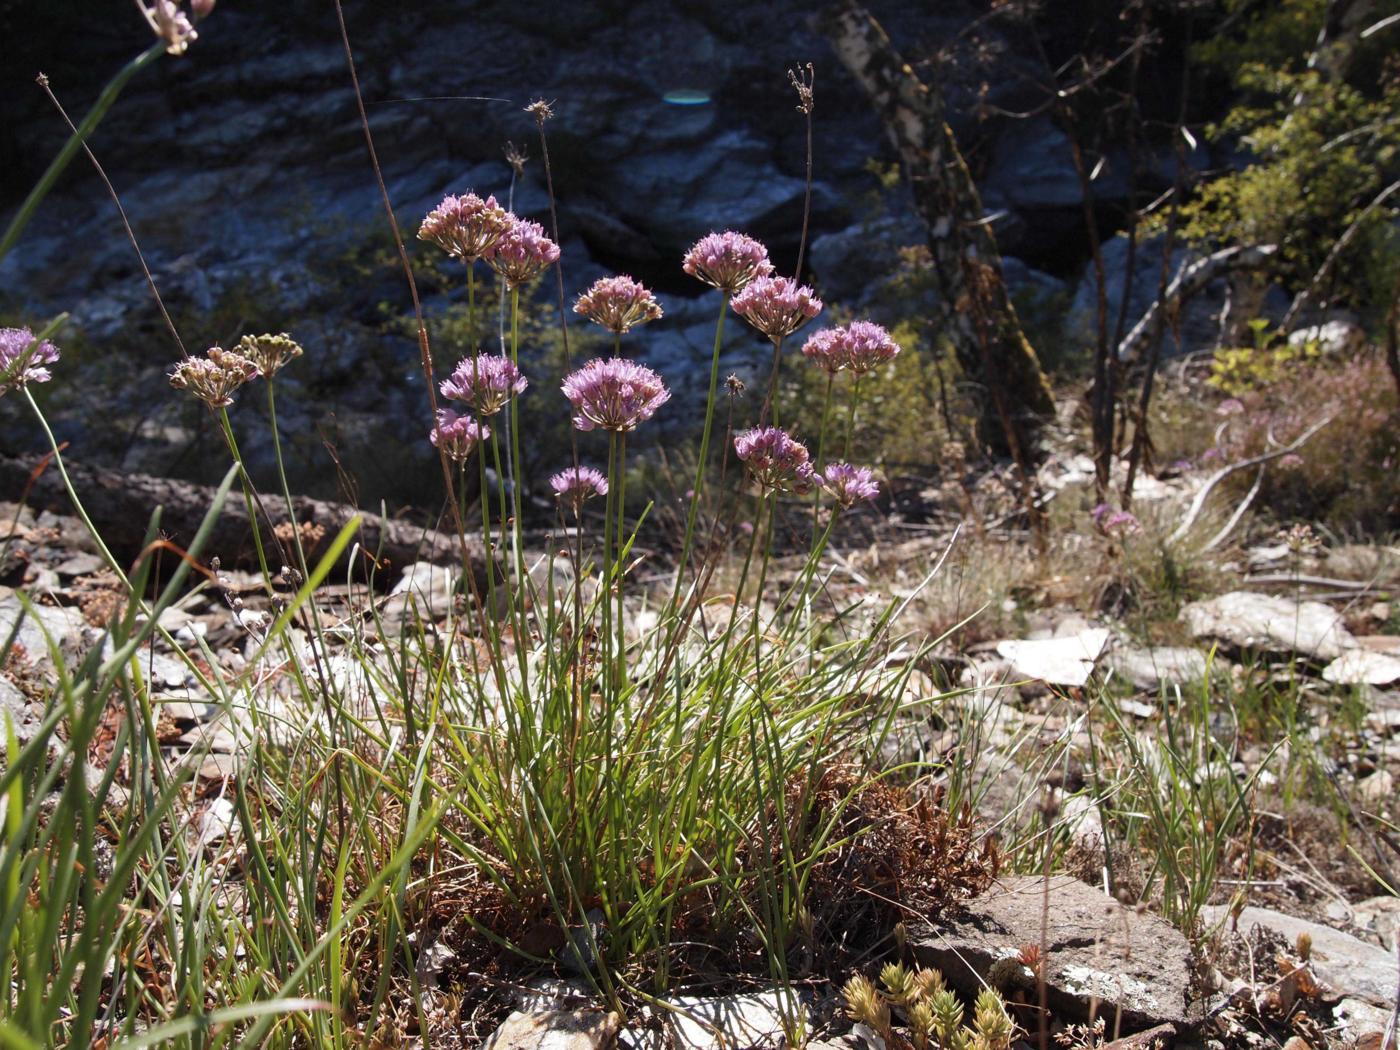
<point>1114,523</point>
<point>457,435</point>
<point>522,251</point>
<point>850,485</point>
<point>827,349</point>
<point>22,359</point>
<point>484,383</point>
<point>467,227</point>
<point>202,8</point>
<point>727,260</point>
<point>576,484</point>
<point>215,377</point>
<point>617,304</point>
<point>171,24</point>
<point>867,346</point>
<point>777,460</point>
<point>612,393</point>
<point>1231,406</point>
<point>776,306</point>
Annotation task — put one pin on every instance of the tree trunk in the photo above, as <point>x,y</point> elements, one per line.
<point>977,314</point>
<point>120,506</point>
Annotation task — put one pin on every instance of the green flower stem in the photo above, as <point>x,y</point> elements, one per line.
<point>821,448</point>
<point>621,546</point>
<point>851,419</point>
<point>247,497</point>
<point>282,477</point>
<point>517,536</point>
<point>471,307</point>
<point>699,485</point>
<point>112,562</point>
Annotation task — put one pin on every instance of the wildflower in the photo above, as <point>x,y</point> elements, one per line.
<point>618,304</point>
<point>1114,523</point>
<point>776,306</point>
<point>269,352</point>
<point>827,349</point>
<point>614,394</point>
<point>1292,461</point>
<point>171,24</point>
<point>867,346</point>
<point>1231,406</point>
<point>521,252</point>
<point>466,227</point>
<point>728,261</point>
<point>201,8</point>
<point>485,383</point>
<point>457,435</point>
<point>22,359</point>
<point>777,460</point>
<point>850,485</point>
<point>214,377</point>
<point>576,484</point>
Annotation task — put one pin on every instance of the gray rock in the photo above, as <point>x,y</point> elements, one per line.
<point>556,1030</point>
<point>1271,624</point>
<point>1351,967</point>
<point>1152,667</point>
<point>1101,955</point>
<point>1363,667</point>
<point>80,564</point>
<point>1057,661</point>
<point>63,625</point>
<point>713,1023</point>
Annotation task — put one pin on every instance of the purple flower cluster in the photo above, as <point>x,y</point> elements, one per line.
<point>484,383</point>
<point>850,485</point>
<point>614,394</point>
<point>522,251</point>
<point>777,460</point>
<point>215,377</point>
<point>22,359</point>
<point>576,484</point>
<point>1114,523</point>
<point>776,306</point>
<point>727,261</point>
<point>457,435</point>
<point>858,347</point>
<point>172,25</point>
<point>618,304</point>
<point>466,227</point>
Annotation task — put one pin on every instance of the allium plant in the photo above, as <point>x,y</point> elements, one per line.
<point>484,383</point>
<point>574,485</point>
<point>269,353</point>
<point>23,359</point>
<point>521,252</point>
<point>777,460</point>
<point>466,227</point>
<point>850,485</point>
<point>215,377</point>
<point>614,394</point>
<point>618,304</point>
<point>727,261</point>
<point>457,435</point>
<point>777,306</point>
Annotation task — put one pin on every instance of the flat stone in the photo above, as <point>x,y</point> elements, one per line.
<point>1350,966</point>
<point>1380,915</point>
<point>1271,624</point>
<point>717,1022</point>
<point>64,625</point>
<point>1101,956</point>
<point>1066,661</point>
<point>80,564</point>
<point>556,1030</point>
<point>1363,667</point>
<point>1156,666</point>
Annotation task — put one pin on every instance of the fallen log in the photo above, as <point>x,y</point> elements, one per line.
<point>120,506</point>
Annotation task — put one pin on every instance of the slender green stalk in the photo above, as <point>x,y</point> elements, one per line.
<point>247,497</point>
<point>699,487</point>
<point>821,449</point>
<point>851,419</point>
<point>621,547</point>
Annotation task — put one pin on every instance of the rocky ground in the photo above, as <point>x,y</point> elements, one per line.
<point>1298,944</point>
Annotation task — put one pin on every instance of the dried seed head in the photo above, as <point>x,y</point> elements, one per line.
<point>802,78</point>
<point>540,110</point>
<point>215,377</point>
<point>269,352</point>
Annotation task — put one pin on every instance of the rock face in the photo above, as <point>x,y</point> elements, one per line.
<point>556,1030</point>
<point>1100,953</point>
<point>1056,661</point>
<point>244,172</point>
<point>1270,624</point>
